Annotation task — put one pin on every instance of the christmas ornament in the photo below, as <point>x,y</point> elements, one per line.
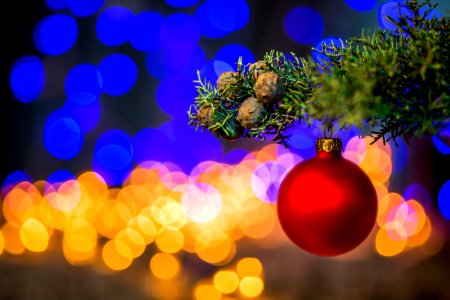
<point>327,205</point>
<point>269,88</point>
<point>250,113</point>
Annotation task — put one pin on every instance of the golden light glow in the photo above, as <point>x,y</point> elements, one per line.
<point>226,281</point>
<point>251,286</point>
<point>249,266</point>
<point>34,236</point>
<point>116,255</point>
<point>164,266</point>
<point>206,292</point>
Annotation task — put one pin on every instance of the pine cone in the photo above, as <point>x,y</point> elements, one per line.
<point>269,88</point>
<point>258,68</point>
<point>251,113</point>
<point>225,81</point>
<point>237,132</point>
<point>205,116</point>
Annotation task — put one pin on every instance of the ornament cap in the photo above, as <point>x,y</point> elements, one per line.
<point>329,145</point>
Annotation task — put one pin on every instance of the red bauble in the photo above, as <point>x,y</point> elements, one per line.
<point>327,205</point>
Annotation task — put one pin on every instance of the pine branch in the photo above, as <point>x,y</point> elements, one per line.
<point>389,84</point>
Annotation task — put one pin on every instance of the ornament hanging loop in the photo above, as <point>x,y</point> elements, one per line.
<point>328,129</point>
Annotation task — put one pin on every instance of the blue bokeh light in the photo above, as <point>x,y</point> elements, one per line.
<point>55,34</point>
<point>113,25</point>
<point>212,70</point>
<point>301,141</point>
<point>444,200</point>
<point>304,25</point>
<point>56,4</point>
<point>151,144</point>
<point>362,5</point>
<point>181,3</point>
<point>144,33</point>
<point>58,177</point>
<point>12,180</point>
<point>113,156</point>
<point>179,31</point>
<point>175,94</point>
<point>235,156</point>
<point>420,193</point>
<point>321,58</point>
<point>189,146</point>
<point>84,8</point>
<point>394,10</point>
<point>163,62</point>
<point>63,136</point>
<point>84,84</point>
<point>119,73</point>
<point>27,78</point>
<point>400,155</point>
<point>218,18</point>
<point>231,53</point>
<point>87,116</point>
<point>440,145</point>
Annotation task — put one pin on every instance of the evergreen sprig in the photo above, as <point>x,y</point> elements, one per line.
<point>388,84</point>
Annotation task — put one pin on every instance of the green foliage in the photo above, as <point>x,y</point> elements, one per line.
<point>388,84</point>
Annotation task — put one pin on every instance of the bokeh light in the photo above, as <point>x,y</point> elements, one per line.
<point>113,156</point>
<point>144,32</point>
<point>179,31</point>
<point>27,78</point>
<point>440,145</point>
<point>181,3</point>
<point>230,54</point>
<point>444,200</point>
<point>119,73</point>
<point>304,25</point>
<point>63,136</point>
<point>202,202</point>
<point>34,235</point>
<point>321,58</point>
<point>56,4</point>
<point>84,8</point>
<point>113,25</point>
<point>55,34</point>
<point>164,266</point>
<point>251,286</point>
<point>362,5</point>
<point>150,144</point>
<point>226,281</point>
<point>87,116</point>
<point>218,18</point>
<point>175,101</point>
<point>84,84</point>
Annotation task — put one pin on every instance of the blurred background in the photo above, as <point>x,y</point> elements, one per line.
<point>108,193</point>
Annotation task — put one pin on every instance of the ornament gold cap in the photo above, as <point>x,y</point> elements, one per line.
<point>329,145</point>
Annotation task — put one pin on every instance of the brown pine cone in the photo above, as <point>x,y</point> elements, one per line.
<point>205,116</point>
<point>251,113</point>
<point>269,88</point>
<point>258,68</point>
<point>225,81</point>
<point>237,132</point>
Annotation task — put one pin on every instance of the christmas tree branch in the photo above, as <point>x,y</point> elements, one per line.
<point>389,84</point>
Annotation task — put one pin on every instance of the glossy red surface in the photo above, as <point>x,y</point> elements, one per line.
<point>327,205</point>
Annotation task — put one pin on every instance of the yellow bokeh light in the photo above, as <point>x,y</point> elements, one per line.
<point>112,216</point>
<point>249,266</point>
<point>421,236</point>
<point>133,240</point>
<point>80,235</point>
<point>169,240</point>
<point>251,286</point>
<point>385,206</point>
<point>19,205</point>
<point>226,281</point>
<point>2,242</point>
<point>387,246</point>
<point>116,255</point>
<point>11,235</point>
<point>144,226</point>
<point>377,165</point>
<point>164,266</point>
<point>206,292</point>
<point>78,258</point>
<point>215,248</point>
<point>34,236</point>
